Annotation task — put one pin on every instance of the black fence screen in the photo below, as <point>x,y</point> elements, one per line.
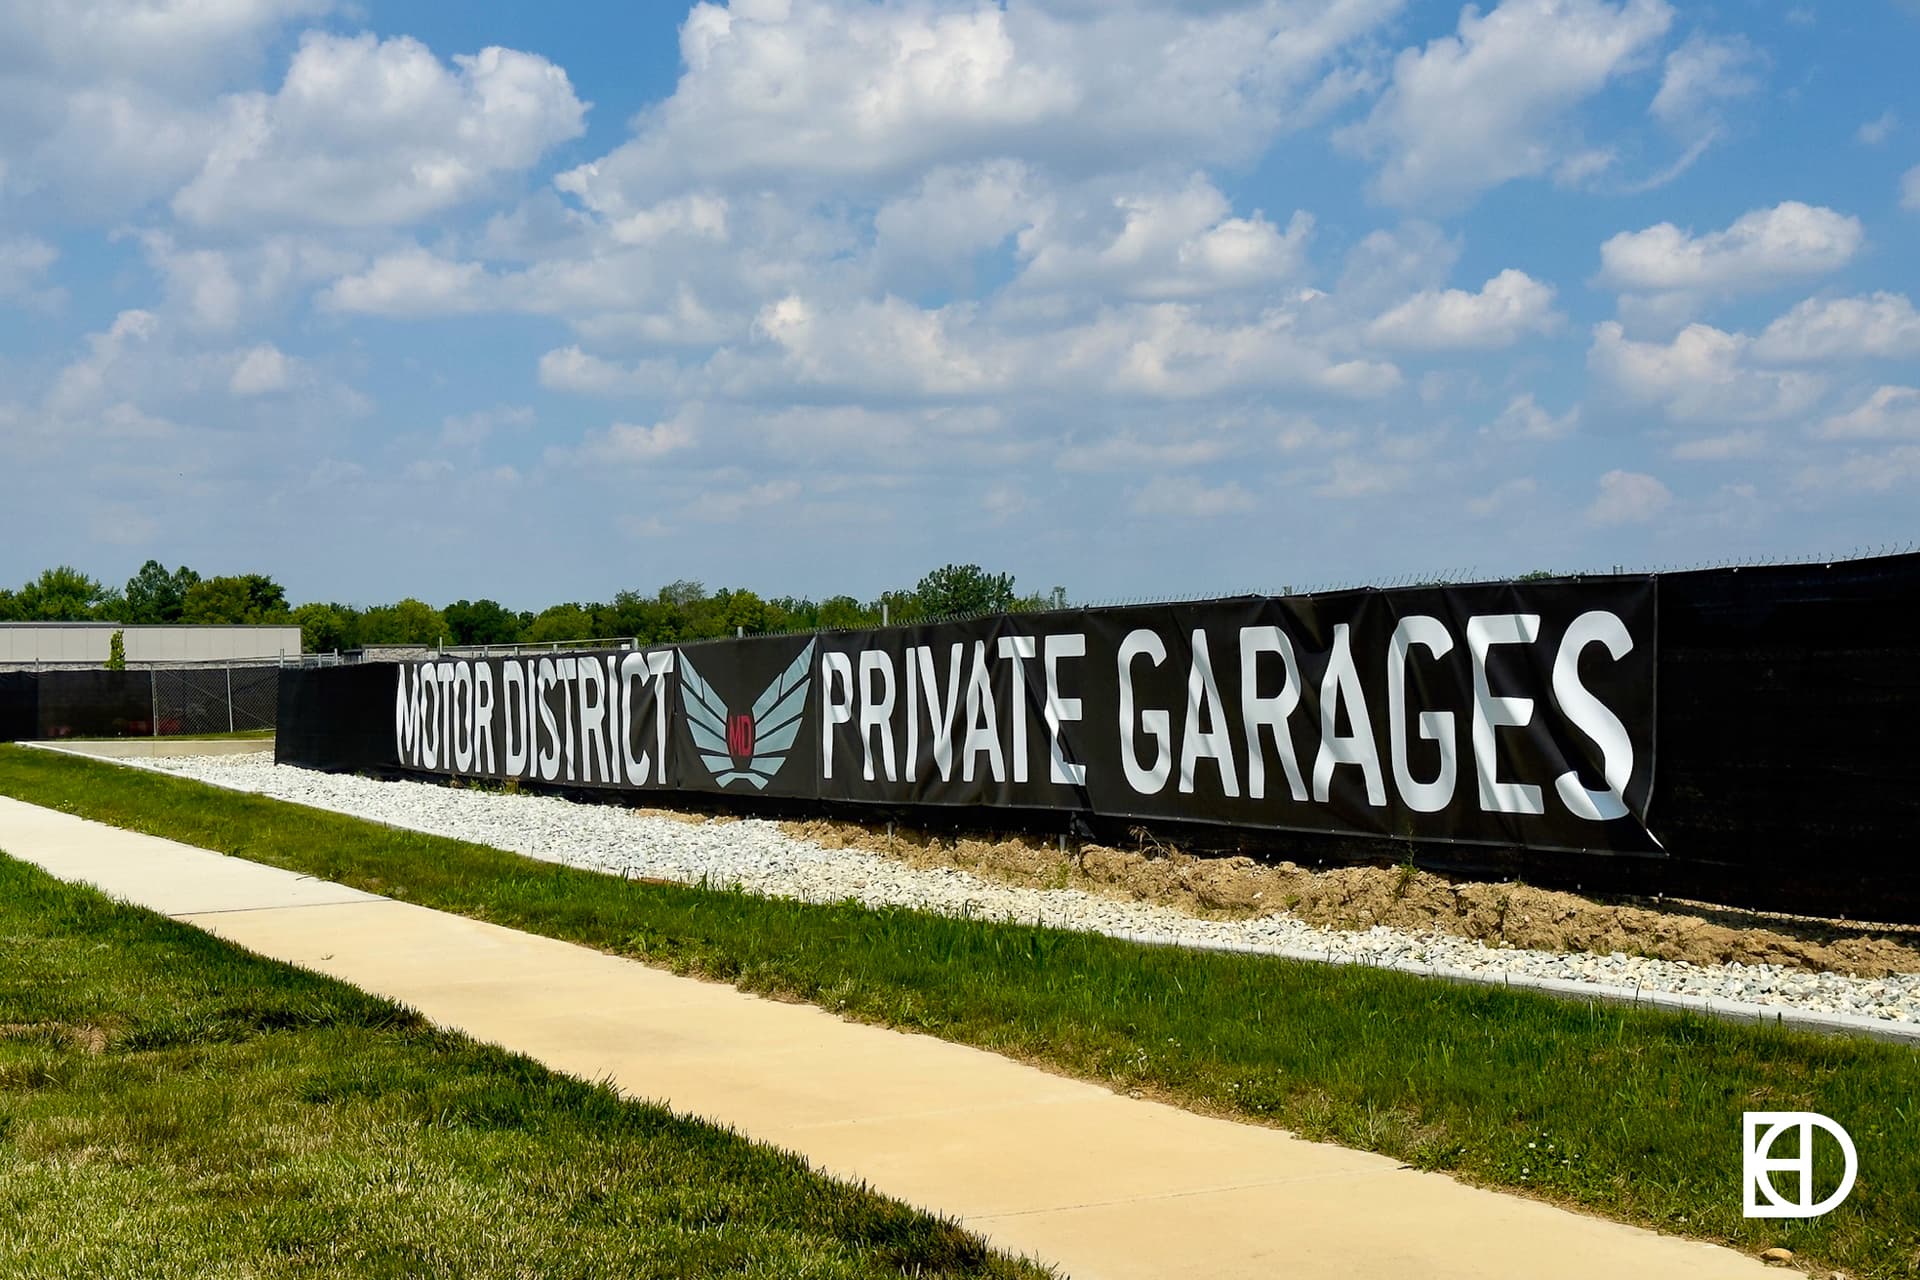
<point>1789,736</point>
<point>1742,735</point>
<point>333,723</point>
<point>93,704</point>
<point>139,703</point>
<point>19,706</point>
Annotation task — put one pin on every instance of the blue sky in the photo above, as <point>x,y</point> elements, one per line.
<point>1136,297</point>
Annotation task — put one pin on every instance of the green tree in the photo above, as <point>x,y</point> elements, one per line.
<point>9,606</point>
<point>689,613</point>
<point>798,611</point>
<point>649,619</point>
<point>117,651</point>
<point>1035,601</point>
<point>705,618</point>
<point>235,600</point>
<point>483,622</point>
<point>560,624</point>
<point>63,594</point>
<point>156,596</point>
<point>965,589</point>
<point>840,613</point>
<point>897,607</point>
<point>328,628</point>
<point>682,591</point>
<point>745,612</point>
<point>406,621</point>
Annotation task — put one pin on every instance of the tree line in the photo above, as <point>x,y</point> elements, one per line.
<point>681,610</point>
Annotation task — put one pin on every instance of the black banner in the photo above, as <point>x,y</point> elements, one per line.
<point>583,719</point>
<point>1519,715</point>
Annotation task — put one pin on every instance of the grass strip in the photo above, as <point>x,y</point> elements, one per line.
<point>171,1106</point>
<point>1630,1113</point>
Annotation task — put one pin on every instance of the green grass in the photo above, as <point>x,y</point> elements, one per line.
<point>1629,1113</point>
<point>171,1106</point>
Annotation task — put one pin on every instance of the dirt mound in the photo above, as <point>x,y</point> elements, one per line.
<point>1360,897</point>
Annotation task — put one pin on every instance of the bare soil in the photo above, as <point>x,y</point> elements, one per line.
<point>1359,897</point>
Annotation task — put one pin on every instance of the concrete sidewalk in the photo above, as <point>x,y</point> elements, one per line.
<point>1100,1185</point>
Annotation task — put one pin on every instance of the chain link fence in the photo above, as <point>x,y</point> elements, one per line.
<point>193,701</point>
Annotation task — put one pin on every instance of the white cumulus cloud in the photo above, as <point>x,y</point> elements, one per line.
<point>1524,419</point>
<point>23,261</point>
<point>164,41</point>
<point>575,370</point>
<point>261,370</point>
<point>1890,413</point>
<point>1162,244</point>
<point>957,210</point>
<point>1701,376</point>
<point>886,346</point>
<point>1176,351</point>
<point>894,348</point>
<point>1507,308</point>
<point>1755,252</point>
<point>1700,76</point>
<point>1877,130</point>
<point>215,289</point>
<point>1189,498</point>
<point>460,430</point>
<point>1490,103</point>
<point>1129,452</point>
<point>103,373</point>
<point>1875,471</point>
<point>413,282</point>
<point>1506,494</point>
<point>629,444</point>
<point>368,132</point>
<point>848,90</point>
<point>1726,447</point>
<point>1882,325</point>
<point>105,104</point>
<point>697,216</point>
<point>1628,497</point>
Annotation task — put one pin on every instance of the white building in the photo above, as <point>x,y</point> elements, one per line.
<point>88,644</point>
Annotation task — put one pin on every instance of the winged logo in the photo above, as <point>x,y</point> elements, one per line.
<point>746,748</point>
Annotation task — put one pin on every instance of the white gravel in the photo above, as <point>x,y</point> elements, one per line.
<point>758,857</point>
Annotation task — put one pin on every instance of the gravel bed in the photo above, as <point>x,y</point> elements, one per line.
<point>759,857</point>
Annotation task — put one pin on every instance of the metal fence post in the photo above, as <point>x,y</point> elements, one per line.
<point>153,688</point>
<point>229,699</point>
